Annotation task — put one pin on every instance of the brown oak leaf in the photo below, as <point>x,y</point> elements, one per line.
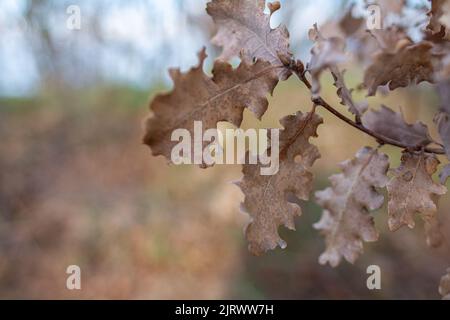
<point>198,97</point>
<point>444,286</point>
<point>391,124</point>
<point>346,221</point>
<point>268,199</point>
<point>408,64</point>
<point>412,190</point>
<point>244,28</point>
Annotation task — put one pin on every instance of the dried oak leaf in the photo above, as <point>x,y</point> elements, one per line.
<point>198,97</point>
<point>357,108</point>
<point>408,64</point>
<point>392,125</point>
<point>327,53</point>
<point>346,221</point>
<point>269,200</point>
<point>444,286</point>
<point>243,27</point>
<point>412,190</point>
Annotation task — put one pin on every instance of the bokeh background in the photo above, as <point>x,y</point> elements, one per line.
<point>78,187</point>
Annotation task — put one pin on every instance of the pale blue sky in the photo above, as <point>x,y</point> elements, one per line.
<point>141,38</point>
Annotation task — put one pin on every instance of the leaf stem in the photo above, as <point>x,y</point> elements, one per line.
<point>380,138</point>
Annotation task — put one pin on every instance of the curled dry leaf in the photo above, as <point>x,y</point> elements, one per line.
<point>327,54</point>
<point>392,125</point>
<point>346,221</point>
<point>357,108</point>
<point>243,27</point>
<point>412,190</point>
<point>197,97</point>
<point>408,64</point>
<point>444,286</point>
<point>268,199</point>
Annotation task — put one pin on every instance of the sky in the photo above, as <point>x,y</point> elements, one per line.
<point>141,39</point>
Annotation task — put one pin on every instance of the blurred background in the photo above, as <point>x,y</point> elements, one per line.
<point>78,187</point>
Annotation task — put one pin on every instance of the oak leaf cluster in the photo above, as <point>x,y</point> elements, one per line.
<point>391,60</point>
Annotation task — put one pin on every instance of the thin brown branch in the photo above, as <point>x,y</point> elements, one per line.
<point>380,138</point>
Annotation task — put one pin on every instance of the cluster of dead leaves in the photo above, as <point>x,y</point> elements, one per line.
<point>392,60</point>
